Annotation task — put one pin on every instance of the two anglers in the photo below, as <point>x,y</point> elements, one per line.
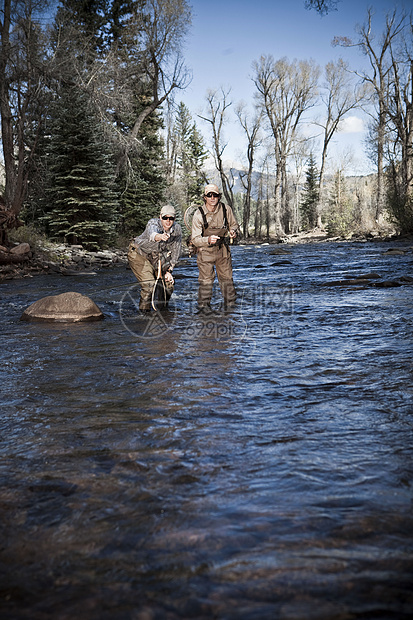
<point>153,255</point>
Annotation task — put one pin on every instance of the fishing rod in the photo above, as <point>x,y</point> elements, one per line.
<point>158,277</point>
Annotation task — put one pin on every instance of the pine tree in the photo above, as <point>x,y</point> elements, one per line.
<point>190,157</point>
<point>82,202</point>
<point>141,184</point>
<point>308,206</point>
<point>86,22</point>
<point>198,155</point>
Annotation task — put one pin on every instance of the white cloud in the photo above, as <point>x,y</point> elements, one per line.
<point>351,124</point>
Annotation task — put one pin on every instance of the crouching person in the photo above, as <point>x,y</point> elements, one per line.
<point>152,257</point>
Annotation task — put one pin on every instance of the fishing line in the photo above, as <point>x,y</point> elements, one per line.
<point>159,275</point>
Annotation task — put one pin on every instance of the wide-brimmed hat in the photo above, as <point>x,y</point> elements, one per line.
<point>211,188</point>
<point>168,210</point>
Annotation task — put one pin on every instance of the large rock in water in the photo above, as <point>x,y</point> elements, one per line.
<point>68,307</point>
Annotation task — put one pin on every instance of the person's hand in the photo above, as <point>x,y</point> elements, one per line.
<point>169,279</point>
<point>212,239</point>
<point>162,236</point>
<point>232,234</point>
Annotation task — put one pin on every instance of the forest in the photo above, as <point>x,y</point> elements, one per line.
<point>95,138</point>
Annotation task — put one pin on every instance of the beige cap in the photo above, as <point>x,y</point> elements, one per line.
<point>168,210</point>
<point>211,188</point>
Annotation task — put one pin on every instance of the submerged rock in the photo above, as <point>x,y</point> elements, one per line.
<point>66,307</point>
<point>394,252</point>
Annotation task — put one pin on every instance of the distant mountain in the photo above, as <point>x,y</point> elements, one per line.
<point>236,174</point>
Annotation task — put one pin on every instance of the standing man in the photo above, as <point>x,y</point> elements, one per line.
<point>152,257</point>
<point>213,226</point>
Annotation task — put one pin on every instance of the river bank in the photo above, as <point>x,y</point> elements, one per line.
<point>66,260</point>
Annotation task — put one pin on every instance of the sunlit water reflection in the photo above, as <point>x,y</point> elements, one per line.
<point>256,464</point>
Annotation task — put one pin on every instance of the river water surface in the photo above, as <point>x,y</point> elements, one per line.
<point>255,464</point>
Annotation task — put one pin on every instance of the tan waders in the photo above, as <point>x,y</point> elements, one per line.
<point>220,258</point>
<point>146,275</point>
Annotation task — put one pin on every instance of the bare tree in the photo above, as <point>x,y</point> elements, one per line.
<point>285,92</point>
<point>400,109</point>
<point>251,128</point>
<point>321,6</point>
<point>338,97</point>
<point>146,64</point>
<point>378,55</point>
<point>22,74</point>
<point>300,158</point>
<point>12,180</point>
<point>162,27</point>
<point>265,190</point>
<point>217,110</point>
<point>341,216</point>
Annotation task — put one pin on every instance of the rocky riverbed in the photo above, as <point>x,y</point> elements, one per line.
<point>22,261</point>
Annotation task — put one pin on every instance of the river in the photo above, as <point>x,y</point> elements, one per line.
<point>256,464</point>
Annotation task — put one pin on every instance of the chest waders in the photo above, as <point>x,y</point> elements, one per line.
<point>149,270</point>
<point>215,256</point>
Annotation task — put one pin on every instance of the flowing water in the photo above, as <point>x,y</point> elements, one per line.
<point>255,464</point>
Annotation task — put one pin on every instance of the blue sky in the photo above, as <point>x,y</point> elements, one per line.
<point>228,35</point>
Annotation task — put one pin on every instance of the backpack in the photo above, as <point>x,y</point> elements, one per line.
<point>191,247</point>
